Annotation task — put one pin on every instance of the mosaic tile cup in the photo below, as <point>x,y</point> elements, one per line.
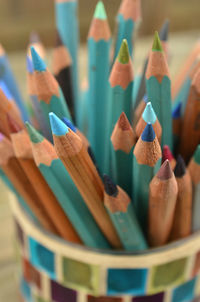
<point>57,271</point>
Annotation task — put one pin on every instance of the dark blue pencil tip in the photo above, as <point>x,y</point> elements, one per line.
<point>38,63</point>
<point>29,64</point>
<point>57,126</point>
<point>164,32</point>
<point>5,90</point>
<point>146,100</point>
<point>176,113</point>
<point>148,135</point>
<point>109,186</point>
<point>180,168</point>
<point>69,124</point>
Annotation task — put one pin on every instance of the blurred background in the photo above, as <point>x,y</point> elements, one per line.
<point>19,17</point>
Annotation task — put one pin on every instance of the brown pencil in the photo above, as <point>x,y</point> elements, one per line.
<point>190,134</point>
<point>12,169</point>
<point>78,163</point>
<point>183,213</point>
<point>23,152</point>
<point>162,202</point>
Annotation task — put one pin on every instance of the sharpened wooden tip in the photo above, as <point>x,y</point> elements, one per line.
<point>197,155</point>
<point>38,63</point>
<point>109,186</point>
<point>57,126</point>
<point>148,135</point>
<point>123,56</point>
<point>14,127</point>
<point>165,171</point>
<point>164,32</point>
<point>100,12</point>
<point>123,122</point>
<point>180,168</point>
<point>34,135</point>
<point>156,43</point>
<point>167,154</point>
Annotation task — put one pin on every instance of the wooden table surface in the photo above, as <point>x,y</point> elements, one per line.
<point>180,44</point>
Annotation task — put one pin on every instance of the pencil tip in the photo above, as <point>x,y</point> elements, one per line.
<point>123,122</point>
<point>149,115</point>
<point>13,125</point>
<point>148,135</point>
<point>164,32</point>
<point>176,113</point>
<point>197,155</point>
<point>156,43</point>
<point>34,37</point>
<point>69,124</point>
<point>34,135</point>
<point>57,126</point>
<point>109,186</point>
<point>123,55</point>
<point>29,64</point>
<point>100,12</point>
<point>38,63</point>
<point>167,154</point>
<point>165,171</point>
<point>180,167</point>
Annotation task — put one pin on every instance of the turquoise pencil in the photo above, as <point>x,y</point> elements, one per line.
<point>65,190</point>
<point>123,139</point>
<point>158,85</point>
<point>99,41</point>
<point>146,163</point>
<point>128,18</point>
<point>67,25</point>
<point>121,211</point>
<point>7,76</point>
<point>49,94</point>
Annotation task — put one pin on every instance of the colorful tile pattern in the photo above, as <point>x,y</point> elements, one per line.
<point>167,275</point>
<point>185,292</point>
<point>60,293</point>
<point>153,298</point>
<point>87,276</point>
<point>103,299</point>
<point>31,275</point>
<point>42,258</point>
<point>126,281</point>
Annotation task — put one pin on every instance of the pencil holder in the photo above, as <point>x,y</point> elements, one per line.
<point>57,271</point>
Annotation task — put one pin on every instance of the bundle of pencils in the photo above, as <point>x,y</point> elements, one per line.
<point>118,164</point>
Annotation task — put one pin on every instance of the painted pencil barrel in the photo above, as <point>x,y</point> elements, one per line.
<point>62,270</point>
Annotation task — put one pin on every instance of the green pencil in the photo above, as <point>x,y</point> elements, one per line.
<point>146,163</point>
<point>65,190</point>
<point>120,209</point>
<point>158,86</point>
<point>123,139</point>
<point>99,41</point>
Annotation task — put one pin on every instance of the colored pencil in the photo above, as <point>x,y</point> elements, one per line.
<point>23,152</point>
<point>65,190</point>
<point>67,26</point>
<point>182,224</point>
<point>167,154</point>
<point>149,116</point>
<point>163,192</point>
<point>190,133</point>
<point>7,107</point>
<point>139,89</point>
<point>128,18</point>
<point>194,169</point>
<point>62,70</point>
<point>10,166</point>
<point>123,139</point>
<point>121,211</point>
<point>180,77</point>
<point>8,77</point>
<point>32,91</point>
<point>34,40</point>
<point>76,159</point>
<point>146,162</point>
<point>49,93</point>
<point>176,124</point>
<point>158,86</point>
<point>99,42</point>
